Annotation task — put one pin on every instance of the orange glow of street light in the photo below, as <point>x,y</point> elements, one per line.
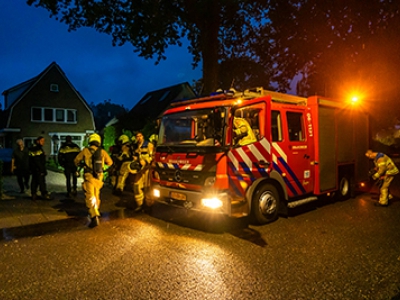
<point>354,99</point>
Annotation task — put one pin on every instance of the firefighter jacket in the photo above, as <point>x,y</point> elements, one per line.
<point>144,152</point>
<point>243,131</point>
<point>125,154</point>
<point>85,157</point>
<point>124,160</point>
<point>384,166</point>
<point>37,160</point>
<point>67,154</point>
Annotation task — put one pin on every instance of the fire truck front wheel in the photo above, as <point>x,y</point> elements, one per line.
<point>265,204</point>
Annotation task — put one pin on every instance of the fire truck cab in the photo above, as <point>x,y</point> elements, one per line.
<point>258,153</point>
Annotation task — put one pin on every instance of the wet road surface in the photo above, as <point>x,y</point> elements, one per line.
<point>341,250</point>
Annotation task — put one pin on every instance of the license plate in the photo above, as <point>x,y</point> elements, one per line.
<point>178,196</point>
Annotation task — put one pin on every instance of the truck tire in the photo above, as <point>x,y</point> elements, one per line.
<point>265,204</point>
<point>344,191</point>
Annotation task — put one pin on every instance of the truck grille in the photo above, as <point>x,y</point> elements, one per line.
<point>184,176</point>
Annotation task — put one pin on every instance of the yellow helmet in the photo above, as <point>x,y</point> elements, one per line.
<point>153,138</point>
<point>94,138</point>
<point>133,139</point>
<point>123,139</point>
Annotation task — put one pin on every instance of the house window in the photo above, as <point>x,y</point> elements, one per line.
<point>48,114</point>
<point>36,114</point>
<point>29,141</point>
<point>60,115</point>
<point>53,115</point>
<point>146,99</point>
<point>54,87</point>
<point>71,116</point>
<point>165,95</point>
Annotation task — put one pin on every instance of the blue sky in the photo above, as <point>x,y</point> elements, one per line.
<point>31,40</point>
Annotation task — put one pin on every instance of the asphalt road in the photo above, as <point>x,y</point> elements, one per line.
<point>341,250</point>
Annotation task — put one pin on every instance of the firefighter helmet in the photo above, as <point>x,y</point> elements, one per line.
<point>94,138</point>
<point>123,139</point>
<point>153,138</point>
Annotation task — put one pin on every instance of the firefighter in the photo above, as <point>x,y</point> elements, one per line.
<point>124,159</point>
<point>244,133</point>
<point>144,155</point>
<point>114,150</point>
<point>154,139</point>
<point>66,155</point>
<point>385,170</point>
<point>37,166</point>
<point>93,163</point>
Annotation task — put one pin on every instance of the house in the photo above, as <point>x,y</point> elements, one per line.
<point>47,105</point>
<point>153,104</point>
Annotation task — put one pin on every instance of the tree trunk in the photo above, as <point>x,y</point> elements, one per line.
<point>210,47</point>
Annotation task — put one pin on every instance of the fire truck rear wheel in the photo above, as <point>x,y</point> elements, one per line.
<point>344,191</point>
<point>265,204</point>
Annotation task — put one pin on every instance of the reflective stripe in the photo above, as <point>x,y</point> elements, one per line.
<point>69,150</point>
<point>36,153</point>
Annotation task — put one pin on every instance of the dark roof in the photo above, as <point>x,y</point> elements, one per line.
<point>21,89</point>
<point>153,104</point>
<point>3,118</point>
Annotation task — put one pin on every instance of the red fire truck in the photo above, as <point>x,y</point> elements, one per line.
<point>258,153</point>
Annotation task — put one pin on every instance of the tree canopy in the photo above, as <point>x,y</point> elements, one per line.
<point>327,45</point>
<point>217,30</point>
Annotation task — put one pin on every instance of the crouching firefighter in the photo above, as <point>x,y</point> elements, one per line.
<point>384,172</point>
<point>144,155</point>
<point>93,158</point>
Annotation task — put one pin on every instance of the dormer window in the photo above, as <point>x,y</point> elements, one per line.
<point>54,87</point>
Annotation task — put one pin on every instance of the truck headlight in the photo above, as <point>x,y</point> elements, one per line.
<point>156,193</point>
<point>212,203</point>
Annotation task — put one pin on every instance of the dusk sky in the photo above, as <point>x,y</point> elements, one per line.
<point>31,40</point>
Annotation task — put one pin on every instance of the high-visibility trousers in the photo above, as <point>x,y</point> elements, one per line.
<point>384,190</point>
<point>123,175</point>
<point>92,187</point>
<point>140,183</point>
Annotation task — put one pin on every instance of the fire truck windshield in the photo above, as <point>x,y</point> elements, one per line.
<point>203,127</point>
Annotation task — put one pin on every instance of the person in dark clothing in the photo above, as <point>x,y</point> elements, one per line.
<point>113,171</point>
<point>66,155</point>
<point>37,165</point>
<point>20,165</point>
